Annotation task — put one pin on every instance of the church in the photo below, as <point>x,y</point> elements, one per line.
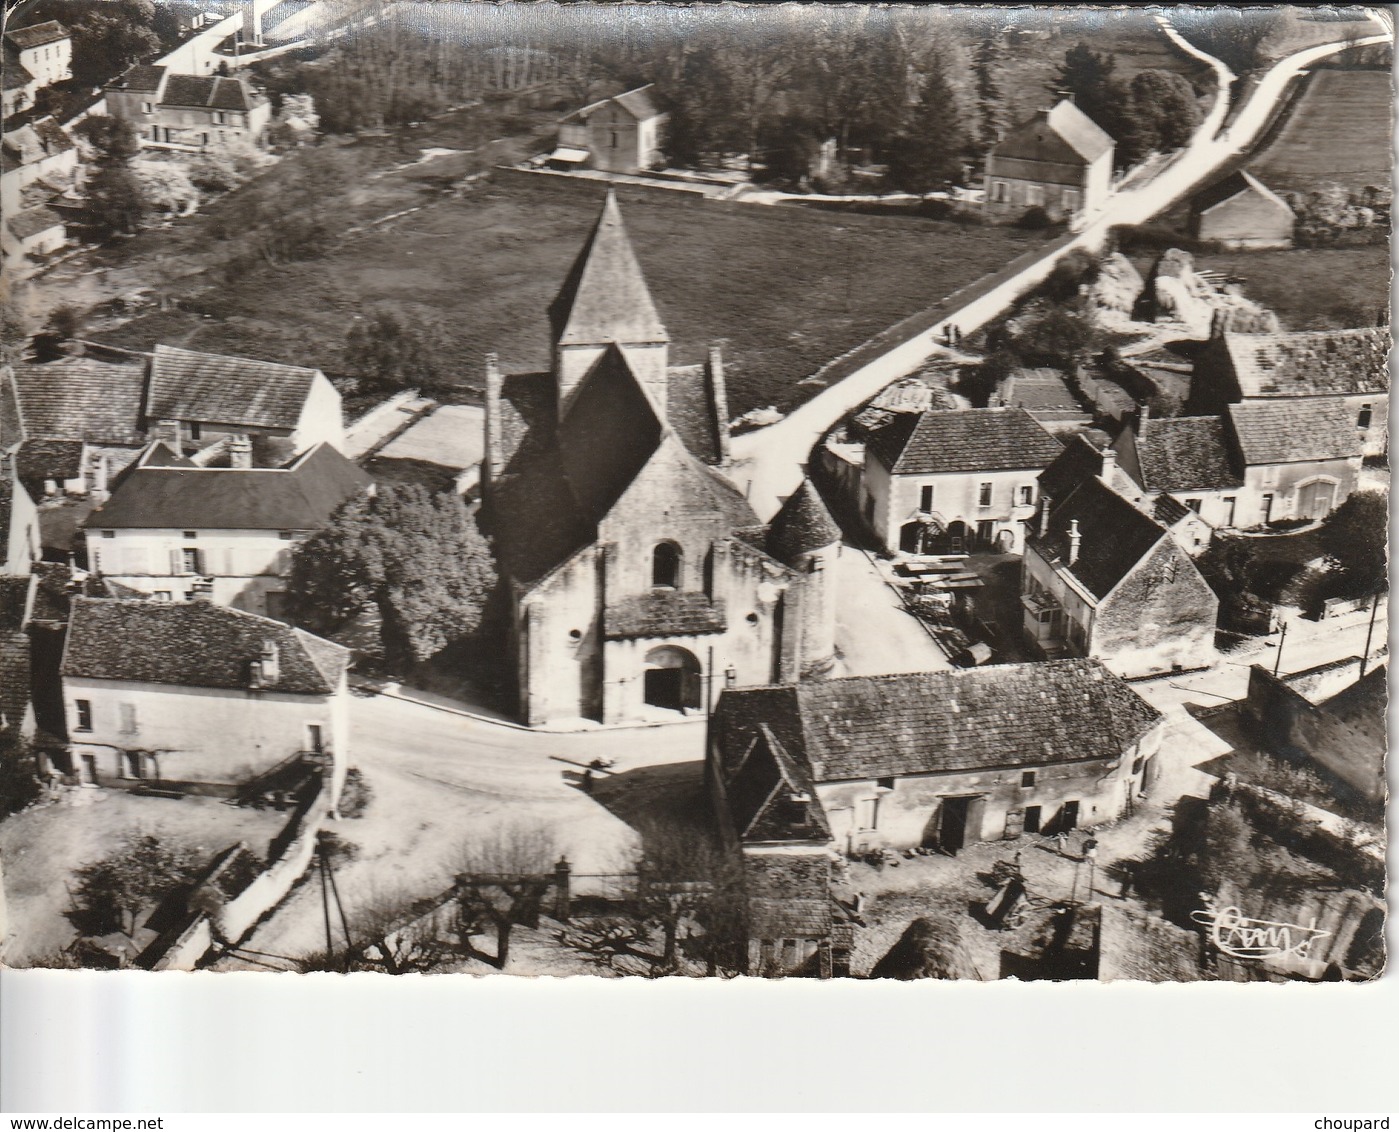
<point>640,581</point>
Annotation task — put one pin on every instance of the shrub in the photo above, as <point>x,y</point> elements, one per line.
<point>1034,219</point>
<point>357,794</point>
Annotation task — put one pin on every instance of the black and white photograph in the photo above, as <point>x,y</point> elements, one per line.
<point>823,492</point>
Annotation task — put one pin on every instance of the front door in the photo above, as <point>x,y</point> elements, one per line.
<point>985,532</point>
<point>959,822</point>
<point>1068,817</point>
<point>665,687</point>
<point>1314,500</point>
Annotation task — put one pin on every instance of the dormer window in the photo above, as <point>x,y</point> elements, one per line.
<point>665,566</point>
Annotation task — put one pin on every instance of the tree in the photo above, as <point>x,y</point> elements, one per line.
<point>1234,36</point>
<point>1165,107</point>
<point>928,154</point>
<point>116,198</point>
<point>113,140</point>
<point>419,558</point>
<point>503,876</point>
<point>111,892</point>
<point>17,326</point>
<point>988,65</point>
<point>166,187</point>
<point>1354,539</point>
<point>789,151</point>
<point>1086,75</point>
<point>107,37</point>
<point>394,347</point>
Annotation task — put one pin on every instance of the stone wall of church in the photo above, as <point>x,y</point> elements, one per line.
<point>560,644</point>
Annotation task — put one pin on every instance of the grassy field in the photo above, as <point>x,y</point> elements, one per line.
<point>1312,289</point>
<point>785,289</point>
<point>1337,129</point>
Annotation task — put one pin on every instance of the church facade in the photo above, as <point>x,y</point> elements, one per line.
<point>640,581</point>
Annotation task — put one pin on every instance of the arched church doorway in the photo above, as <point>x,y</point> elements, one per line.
<point>673,679</point>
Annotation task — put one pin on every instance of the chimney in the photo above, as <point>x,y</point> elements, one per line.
<point>719,400</point>
<point>1075,539</point>
<point>267,669</point>
<point>1109,464</point>
<point>1045,504</point>
<point>168,431</point>
<point>240,452</point>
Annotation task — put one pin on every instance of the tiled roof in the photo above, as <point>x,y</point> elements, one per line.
<point>1311,362</point>
<point>82,399</point>
<point>1063,135</point>
<point>59,460</point>
<point>193,644</point>
<point>697,409</point>
<point>1078,461</point>
<point>1010,715</point>
<point>36,141</point>
<point>50,31</point>
<point>640,103</point>
<point>1185,454</point>
<point>1236,184</point>
<point>12,431</point>
<point>32,221</point>
<point>1113,536</point>
<point>190,386</point>
<point>14,600</point>
<point>16,75</point>
<point>142,77</point>
<point>771,796</point>
<point>1040,390</point>
<point>15,592</point>
<point>605,297</point>
<point>662,613</point>
<point>789,895</point>
<point>803,524</point>
<point>215,92</point>
<point>1291,430</point>
<point>300,497</point>
<point>1168,510</point>
<point>964,440</point>
<point>7,498</point>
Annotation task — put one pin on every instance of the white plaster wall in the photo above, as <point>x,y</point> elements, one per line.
<point>322,417</point>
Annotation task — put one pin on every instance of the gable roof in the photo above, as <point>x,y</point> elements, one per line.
<point>801,525</point>
<point>190,386</point>
<point>12,431</point>
<point>1291,430</point>
<point>1008,715</point>
<point>193,644</point>
<point>964,440</point>
<point>36,35</point>
<point>1114,536</point>
<point>1168,510</point>
<point>299,497</point>
<point>141,77</point>
<point>36,141</point>
<point>1236,184</point>
<point>604,297</point>
<point>1064,135</point>
<point>1310,362</point>
<point>82,399</point>
<point>1078,461</point>
<point>697,410</point>
<point>56,460</point>
<point>639,103</point>
<point>771,796</point>
<point>214,92</point>
<point>1185,454</point>
<point>15,74</point>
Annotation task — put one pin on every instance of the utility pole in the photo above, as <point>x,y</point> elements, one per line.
<point>325,905</point>
<point>1369,632</point>
<point>1277,664</point>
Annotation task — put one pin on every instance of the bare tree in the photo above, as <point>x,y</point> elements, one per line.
<point>503,877</point>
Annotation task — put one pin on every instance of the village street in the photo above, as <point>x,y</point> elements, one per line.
<point>769,461</point>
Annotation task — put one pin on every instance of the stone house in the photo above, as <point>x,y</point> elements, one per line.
<point>621,134</point>
<point>1103,579</point>
<point>35,57</point>
<point>199,695</point>
<point>1240,211</point>
<point>1060,161</point>
<point>941,760</point>
<point>41,151</point>
<point>188,112</point>
<point>640,578</point>
<point>195,399</point>
<point>180,532</point>
<point>31,234</point>
<point>954,480</point>
<point>1188,457</point>
<point>1353,364</point>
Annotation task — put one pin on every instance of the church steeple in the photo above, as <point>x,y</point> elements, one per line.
<point>604,301</point>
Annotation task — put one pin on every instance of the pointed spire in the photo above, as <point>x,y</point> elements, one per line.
<point>605,298</point>
<point>801,526</point>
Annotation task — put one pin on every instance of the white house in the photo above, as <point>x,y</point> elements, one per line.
<point>197,694</point>
<point>1060,161</point>
<point>951,480</point>
<point>19,522</point>
<point>179,532</point>
<point>188,112</point>
<point>621,134</point>
<point>210,396</point>
<point>39,151</point>
<point>35,57</point>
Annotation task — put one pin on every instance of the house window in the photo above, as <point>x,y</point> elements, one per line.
<point>109,534</point>
<point>665,566</point>
<point>155,133</point>
<point>925,497</point>
<point>218,117</point>
<point>984,495</point>
<point>1194,505</point>
<point>196,431</point>
<point>128,718</point>
<point>1229,502</point>
<point>999,192</point>
<point>1071,200</point>
<point>189,560</point>
<point>84,714</point>
<point>1034,194</point>
<point>867,813</point>
<point>315,739</point>
<point>790,955</point>
<point>162,595</point>
<point>1267,506</point>
<point>1027,778</point>
<point>147,108</point>
<point>191,534</point>
<point>1027,494</point>
<point>885,783</point>
<point>1362,419</point>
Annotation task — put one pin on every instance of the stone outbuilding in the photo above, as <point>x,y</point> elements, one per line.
<point>1242,212</point>
<point>1060,161</point>
<point>939,760</point>
<point>640,579</point>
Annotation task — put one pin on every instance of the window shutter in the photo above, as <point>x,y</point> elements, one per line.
<point>177,562</point>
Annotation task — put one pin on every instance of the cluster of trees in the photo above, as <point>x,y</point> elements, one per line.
<point>1354,539</point>
<point>108,35</point>
<point>116,198</point>
<point>142,871</point>
<point>1236,36</point>
<point>1334,214</point>
<point>415,560</point>
<point>1156,110</point>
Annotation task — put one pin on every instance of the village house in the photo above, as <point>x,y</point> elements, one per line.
<point>35,57</point>
<point>199,696</point>
<point>640,579</point>
<point>1103,579</point>
<point>1060,161</point>
<point>1301,458</point>
<point>188,112</point>
<point>1242,212</point>
<point>16,707</point>
<point>19,518</point>
<point>181,532</point>
<point>621,134</point>
<point>939,760</point>
<point>1187,457</point>
<point>954,480</point>
<point>29,235</point>
<point>40,153</point>
<point>1353,364</point>
<point>196,399</point>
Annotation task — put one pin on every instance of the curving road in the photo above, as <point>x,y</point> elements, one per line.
<point>769,462</point>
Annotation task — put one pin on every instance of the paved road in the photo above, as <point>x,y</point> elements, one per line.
<point>768,461</point>
<point>875,635</point>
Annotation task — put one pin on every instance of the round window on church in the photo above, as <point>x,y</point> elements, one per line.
<point>575,635</point>
<point>752,619</point>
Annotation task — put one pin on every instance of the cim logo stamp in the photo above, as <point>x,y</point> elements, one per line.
<point>1243,938</point>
